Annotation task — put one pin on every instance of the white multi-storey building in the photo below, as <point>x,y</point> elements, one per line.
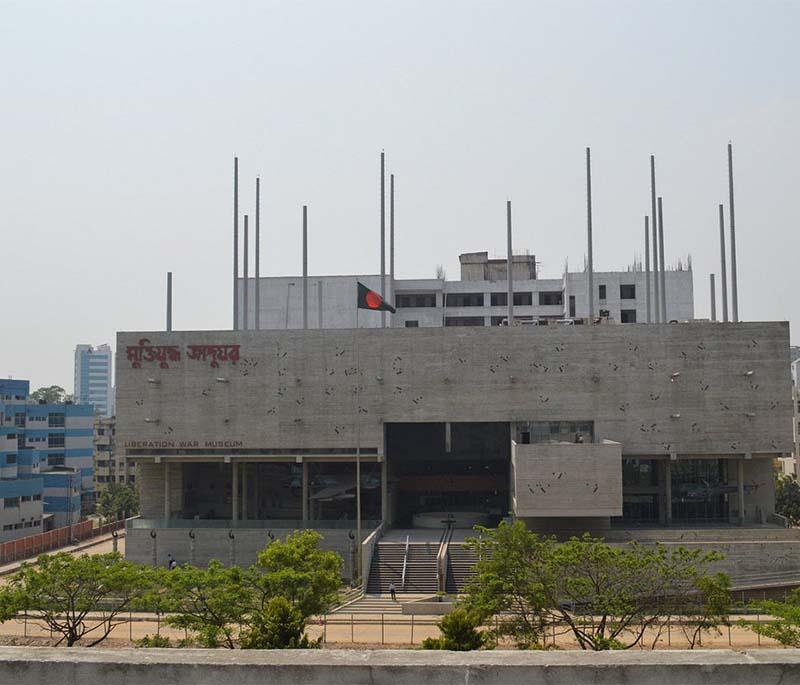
<point>93,378</point>
<point>478,298</point>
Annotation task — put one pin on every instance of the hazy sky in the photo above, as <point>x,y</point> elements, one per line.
<point>119,122</point>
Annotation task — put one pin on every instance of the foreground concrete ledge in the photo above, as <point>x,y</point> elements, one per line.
<point>25,665</point>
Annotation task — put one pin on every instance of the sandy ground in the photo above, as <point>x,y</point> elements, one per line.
<point>373,631</point>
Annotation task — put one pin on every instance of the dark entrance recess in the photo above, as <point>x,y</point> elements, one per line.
<point>425,477</point>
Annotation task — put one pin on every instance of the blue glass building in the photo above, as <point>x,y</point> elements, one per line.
<point>45,462</point>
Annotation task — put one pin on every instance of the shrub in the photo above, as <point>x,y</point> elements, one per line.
<point>459,632</point>
<point>153,641</point>
<point>279,626</point>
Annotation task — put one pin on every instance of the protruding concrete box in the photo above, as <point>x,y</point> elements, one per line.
<point>567,480</point>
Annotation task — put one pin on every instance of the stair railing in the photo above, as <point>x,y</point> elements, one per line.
<point>441,559</point>
<point>405,565</point>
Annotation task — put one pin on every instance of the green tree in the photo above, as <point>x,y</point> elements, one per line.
<point>51,394</point>
<point>210,602</point>
<point>606,596</point>
<point>279,625</point>
<point>513,573</point>
<point>785,626</point>
<point>118,501</point>
<point>706,610</point>
<point>787,497</point>
<point>62,590</point>
<point>295,568</point>
<point>459,632</point>
<point>292,581</point>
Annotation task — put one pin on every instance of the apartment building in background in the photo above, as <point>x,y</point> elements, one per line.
<point>478,298</point>
<point>45,462</point>
<point>107,467</point>
<point>93,378</point>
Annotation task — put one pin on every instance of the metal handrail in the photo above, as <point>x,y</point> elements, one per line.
<point>405,565</point>
<point>441,559</point>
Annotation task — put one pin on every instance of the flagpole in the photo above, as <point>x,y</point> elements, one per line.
<point>359,570</point>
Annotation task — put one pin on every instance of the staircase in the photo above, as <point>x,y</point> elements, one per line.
<point>371,604</point>
<point>387,567</point>
<point>460,562</point>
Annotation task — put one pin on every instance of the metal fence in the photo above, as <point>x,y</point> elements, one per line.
<point>34,545</point>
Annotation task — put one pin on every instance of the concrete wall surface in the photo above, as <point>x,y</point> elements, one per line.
<point>567,479</point>
<point>685,389</point>
<point>29,666</point>
<point>214,543</point>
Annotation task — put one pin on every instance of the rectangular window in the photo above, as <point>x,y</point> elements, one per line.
<point>601,292</point>
<point>26,498</point>
<point>412,324</point>
<point>572,306</point>
<point>415,300</point>
<point>55,420</point>
<point>463,321</point>
<point>547,299</point>
<point>628,316</point>
<point>627,292</point>
<point>11,502</point>
<point>101,431</point>
<point>55,460</point>
<point>11,459</point>
<point>522,299</point>
<point>37,498</point>
<point>19,419</point>
<point>464,300</point>
<point>55,440</point>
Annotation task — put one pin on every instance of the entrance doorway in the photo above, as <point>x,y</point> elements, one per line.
<point>460,468</point>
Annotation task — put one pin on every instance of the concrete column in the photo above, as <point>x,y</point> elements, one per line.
<point>662,507</point>
<point>166,489</point>
<point>384,491</point>
<point>235,491</point>
<point>256,503</point>
<point>244,492</point>
<point>740,484</point>
<point>305,491</point>
<point>668,490</point>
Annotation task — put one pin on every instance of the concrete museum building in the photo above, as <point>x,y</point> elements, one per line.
<point>244,433</point>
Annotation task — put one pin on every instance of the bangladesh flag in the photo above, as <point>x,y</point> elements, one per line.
<point>369,299</point>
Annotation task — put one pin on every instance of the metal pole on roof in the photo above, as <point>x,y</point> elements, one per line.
<point>245,280</point>
<point>383,235</point>
<point>235,243</point>
<point>169,301</point>
<point>258,253</point>
<point>661,262</point>
<point>510,265</point>
<point>589,231</point>
<point>654,224</point>
<point>713,295</point>
<point>391,240</point>
<point>734,278</point>
<point>647,263</point>
<point>723,263</point>
<point>305,267</point>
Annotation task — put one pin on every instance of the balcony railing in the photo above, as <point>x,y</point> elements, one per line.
<point>291,524</point>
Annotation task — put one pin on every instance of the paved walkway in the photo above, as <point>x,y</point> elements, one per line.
<point>98,545</point>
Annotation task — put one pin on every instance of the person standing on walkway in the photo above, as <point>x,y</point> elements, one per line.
<point>393,592</point>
